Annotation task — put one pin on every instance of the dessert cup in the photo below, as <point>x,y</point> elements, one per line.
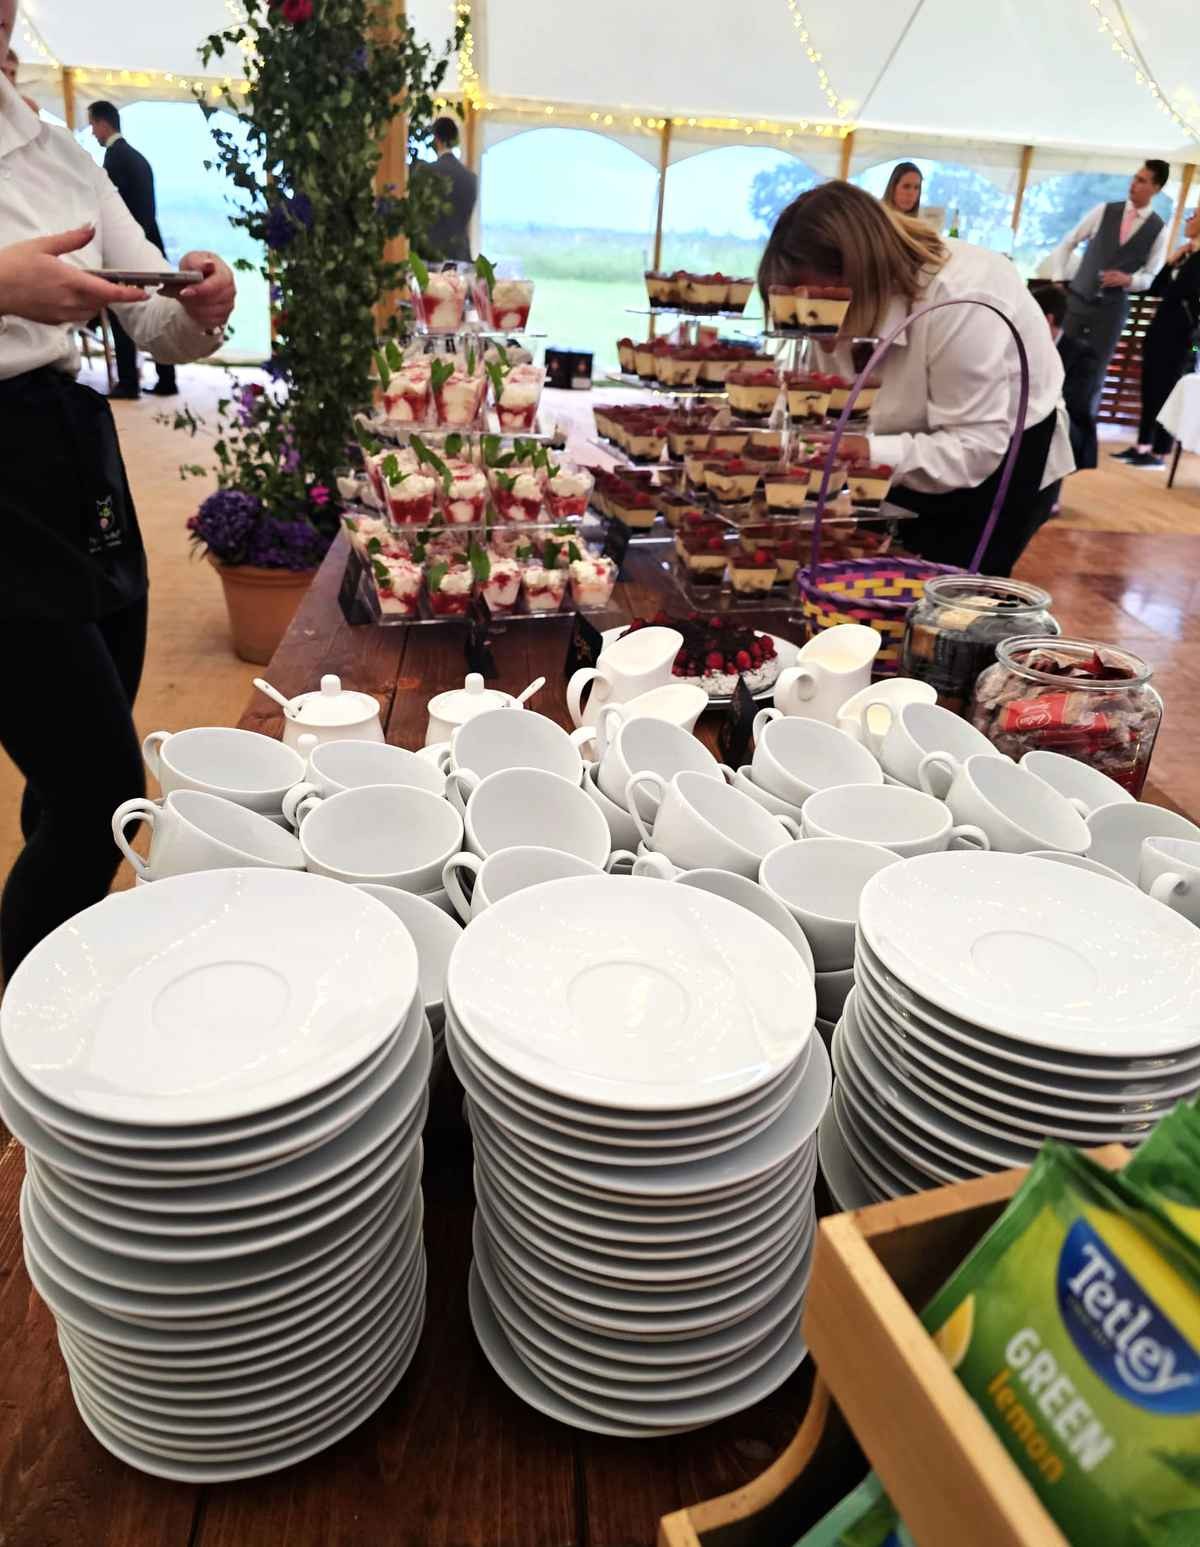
<point>505,308</point>
<point>752,573</point>
<point>517,404</point>
<point>458,400</point>
<point>568,492</point>
<point>398,586</point>
<point>502,588</point>
<point>464,503</point>
<point>451,595</point>
<point>544,588</point>
<point>592,581</point>
<point>441,304</point>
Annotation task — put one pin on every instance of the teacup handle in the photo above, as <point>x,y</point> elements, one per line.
<point>604,736</point>
<point>136,810</point>
<point>965,836</point>
<point>727,773</point>
<point>299,801</point>
<point>152,752</point>
<point>655,786</point>
<point>657,867</point>
<point>790,826</point>
<point>580,738</point>
<point>799,683</point>
<point>1169,884</point>
<point>764,717</point>
<point>464,860</point>
<point>444,761</point>
<point>874,724</point>
<point>945,764</point>
<point>1081,806</point>
<point>579,681</point>
<point>458,781</point>
<point>621,862</point>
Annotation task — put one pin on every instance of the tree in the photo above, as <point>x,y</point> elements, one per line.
<point>772,191</point>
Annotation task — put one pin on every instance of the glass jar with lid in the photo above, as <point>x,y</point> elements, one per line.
<point>953,631</point>
<point>1088,701</point>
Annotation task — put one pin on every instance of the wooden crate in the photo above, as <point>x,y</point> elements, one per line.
<point>884,1385</point>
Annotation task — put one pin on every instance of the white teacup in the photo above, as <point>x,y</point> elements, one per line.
<point>1118,831</point>
<point>744,780</point>
<point>701,822</point>
<point>435,934</point>
<point>740,889</point>
<point>794,757</point>
<point>504,872</point>
<point>194,831</point>
<point>517,807</point>
<point>905,741</point>
<point>906,821</point>
<point>641,744</point>
<point>657,867</point>
<point>679,703</point>
<point>500,739</point>
<point>1086,788</point>
<point>1018,811</point>
<point>632,665</point>
<point>820,882</point>
<point>334,766</point>
<point>892,692</point>
<point>833,989</point>
<point>251,770</point>
<point>622,831</point>
<point>1170,872</point>
<point>832,667</point>
<point>386,834</point>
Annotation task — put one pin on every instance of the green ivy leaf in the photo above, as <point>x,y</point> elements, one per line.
<point>507,482</point>
<point>486,272</point>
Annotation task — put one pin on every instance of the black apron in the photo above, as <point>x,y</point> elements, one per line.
<point>70,548</point>
<point>948,526</point>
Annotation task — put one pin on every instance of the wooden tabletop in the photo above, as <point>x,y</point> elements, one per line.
<point>453,1459</point>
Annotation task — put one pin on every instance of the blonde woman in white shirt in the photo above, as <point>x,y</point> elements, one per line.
<point>72,566</point>
<point>943,417</point>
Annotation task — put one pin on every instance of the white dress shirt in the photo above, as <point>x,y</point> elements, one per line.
<point>947,403</point>
<point>1058,265</point>
<point>48,184</point>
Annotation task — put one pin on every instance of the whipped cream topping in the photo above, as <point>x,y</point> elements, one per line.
<point>456,581</point>
<point>538,578</point>
<point>600,571</point>
<point>404,576</point>
<point>417,486</point>
<point>512,293</point>
<point>567,484</point>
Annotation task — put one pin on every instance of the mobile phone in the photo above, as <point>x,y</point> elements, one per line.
<point>169,281</point>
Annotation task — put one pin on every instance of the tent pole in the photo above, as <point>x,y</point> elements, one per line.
<point>847,156</point>
<point>1022,179</point>
<point>664,155</point>
<point>68,96</point>
<point>393,169</point>
<point>1185,188</point>
<point>472,157</point>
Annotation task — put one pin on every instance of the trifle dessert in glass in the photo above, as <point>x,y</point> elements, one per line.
<point>592,581</point>
<point>568,491</point>
<point>503,304</point>
<point>501,589</point>
<point>398,586</point>
<point>440,297</point>
<point>406,399</point>
<point>518,496</point>
<point>371,535</point>
<point>517,395</point>
<point>450,587</point>
<point>544,588</point>
<point>465,501</point>
<point>458,392</point>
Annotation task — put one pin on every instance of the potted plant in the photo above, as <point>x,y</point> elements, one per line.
<point>323,83</point>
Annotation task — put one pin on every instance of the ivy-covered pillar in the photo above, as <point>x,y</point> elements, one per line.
<point>392,177</point>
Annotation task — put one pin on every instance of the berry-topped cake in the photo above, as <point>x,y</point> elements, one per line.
<point>752,573</point>
<point>808,394</point>
<point>868,485</point>
<point>740,291</point>
<point>717,651</point>
<point>781,300</point>
<point>823,308</point>
<point>753,390</point>
<point>839,395</point>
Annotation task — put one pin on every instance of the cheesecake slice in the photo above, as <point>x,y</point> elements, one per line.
<point>731,482</point>
<point>787,488</point>
<point>625,356</point>
<point>781,302</point>
<point>740,291</point>
<point>704,558</point>
<point>753,573</point>
<point>823,308</point>
<point>839,395</point>
<point>753,390</point>
<point>868,484</point>
<point>808,394</point>
<point>659,288</point>
<point>634,508</point>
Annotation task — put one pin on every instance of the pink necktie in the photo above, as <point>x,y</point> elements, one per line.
<point>1127,225</point>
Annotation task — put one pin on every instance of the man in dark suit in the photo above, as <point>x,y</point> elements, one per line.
<point>448,234</point>
<point>134,180</point>
<point>1079,371</point>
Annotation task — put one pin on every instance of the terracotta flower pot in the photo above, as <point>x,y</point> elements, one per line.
<point>261,603</point>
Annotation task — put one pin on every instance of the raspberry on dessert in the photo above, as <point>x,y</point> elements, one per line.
<point>753,572</point>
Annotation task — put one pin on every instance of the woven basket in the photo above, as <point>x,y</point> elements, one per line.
<point>878,592</point>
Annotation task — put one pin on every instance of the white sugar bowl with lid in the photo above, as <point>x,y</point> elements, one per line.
<point>332,713</point>
<point>449,710</point>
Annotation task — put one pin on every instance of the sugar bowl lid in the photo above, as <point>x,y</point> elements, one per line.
<point>332,704</point>
<point>458,705</point>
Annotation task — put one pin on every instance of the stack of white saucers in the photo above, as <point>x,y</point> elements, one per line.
<point>644,1088</point>
<point>1001,1000</point>
<point>220,1082</point>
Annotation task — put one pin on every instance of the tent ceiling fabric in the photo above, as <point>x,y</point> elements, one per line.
<point>913,71</point>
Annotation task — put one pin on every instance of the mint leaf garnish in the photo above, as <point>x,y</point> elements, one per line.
<point>381,367</point>
<point>481,565</point>
<point>452,445</point>
<point>431,459</point>
<point>374,546</point>
<point>440,372</point>
<point>420,272</point>
<point>486,272</point>
<point>395,355</point>
<point>380,570</point>
<point>496,376</point>
<point>438,573</point>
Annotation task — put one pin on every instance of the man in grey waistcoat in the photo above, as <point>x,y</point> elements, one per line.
<point>1126,247</point>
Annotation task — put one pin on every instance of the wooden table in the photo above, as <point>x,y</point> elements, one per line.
<point>452,1459</point>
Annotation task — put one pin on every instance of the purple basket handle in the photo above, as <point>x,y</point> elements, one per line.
<point>1010,460</point>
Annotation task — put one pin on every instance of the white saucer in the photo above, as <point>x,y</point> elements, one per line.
<point>842,1176</point>
<point>648,997</point>
<point>1041,953</point>
<point>179,1003</point>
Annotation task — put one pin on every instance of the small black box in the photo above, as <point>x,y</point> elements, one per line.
<point>569,368</point>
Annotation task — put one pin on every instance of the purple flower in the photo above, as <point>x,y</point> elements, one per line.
<point>224,523</point>
<point>287,219</point>
<point>358,59</point>
<point>291,461</point>
<point>385,207</point>
<point>234,527</point>
<point>278,543</point>
<point>319,494</point>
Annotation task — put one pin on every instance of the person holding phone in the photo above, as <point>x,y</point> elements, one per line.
<point>73,581</point>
